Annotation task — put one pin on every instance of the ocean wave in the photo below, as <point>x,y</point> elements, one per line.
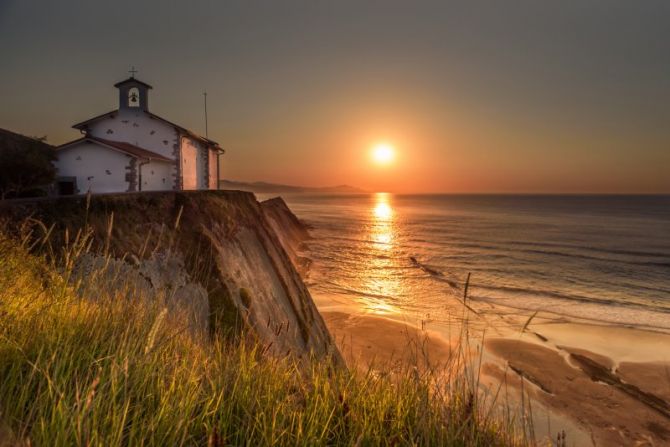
<point>650,254</point>
<point>335,287</point>
<point>593,258</point>
<point>657,264</point>
<point>561,296</point>
<point>543,258</point>
<point>503,251</point>
<point>434,273</point>
<point>508,246</point>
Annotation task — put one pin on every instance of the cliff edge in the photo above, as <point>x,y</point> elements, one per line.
<point>218,252</point>
<point>290,231</point>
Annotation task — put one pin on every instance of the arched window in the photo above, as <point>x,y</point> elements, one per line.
<point>133,97</point>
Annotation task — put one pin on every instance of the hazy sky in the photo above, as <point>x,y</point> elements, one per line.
<point>499,96</point>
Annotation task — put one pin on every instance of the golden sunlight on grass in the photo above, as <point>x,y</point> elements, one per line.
<point>83,365</point>
<point>383,153</point>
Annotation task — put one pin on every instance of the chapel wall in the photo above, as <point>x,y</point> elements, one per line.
<point>189,164</point>
<point>213,171</point>
<point>157,176</point>
<point>96,168</point>
<point>137,128</point>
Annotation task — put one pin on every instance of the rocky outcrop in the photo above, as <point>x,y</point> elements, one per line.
<point>292,233</point>
<point>222,244</point>
<point>160,278</point>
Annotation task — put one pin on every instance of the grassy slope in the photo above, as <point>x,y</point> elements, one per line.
<point>109,371</point>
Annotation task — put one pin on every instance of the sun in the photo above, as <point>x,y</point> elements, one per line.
<point>383,153</point>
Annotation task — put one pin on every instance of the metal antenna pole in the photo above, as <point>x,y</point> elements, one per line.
<point>206,130</point>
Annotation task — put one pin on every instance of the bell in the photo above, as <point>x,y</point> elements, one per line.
<point>133,97</point>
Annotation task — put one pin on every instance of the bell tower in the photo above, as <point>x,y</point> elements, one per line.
<point>133,93</point>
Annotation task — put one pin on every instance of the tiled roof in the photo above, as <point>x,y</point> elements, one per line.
<point>186,131</point>
<point>121,146</point>
<point>95,118</point>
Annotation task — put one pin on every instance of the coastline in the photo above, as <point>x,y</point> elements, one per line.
<point>601,381</point>
<point>375,342</point>
<point>601,384</point>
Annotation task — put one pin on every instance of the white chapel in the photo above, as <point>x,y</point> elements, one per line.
<point>131,149</point>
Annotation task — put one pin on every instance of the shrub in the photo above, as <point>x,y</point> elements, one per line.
<point>25,165</point>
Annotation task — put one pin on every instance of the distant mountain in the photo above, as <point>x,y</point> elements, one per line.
<point>264,187</point>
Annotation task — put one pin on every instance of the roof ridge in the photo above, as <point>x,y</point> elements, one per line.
<point>97,117</point>
<point>153,115</point>
<point>132,79</point>
<point>188,131</point>
<point>123,146</point>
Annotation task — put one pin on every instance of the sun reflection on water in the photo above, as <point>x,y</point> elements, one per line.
<point>381,281</point>
<point>382,222</point>
<point>383,210</point>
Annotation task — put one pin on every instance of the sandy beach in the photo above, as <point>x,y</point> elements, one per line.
<point>603,385</point>
<point>373,341</point>
<point>565,309</point>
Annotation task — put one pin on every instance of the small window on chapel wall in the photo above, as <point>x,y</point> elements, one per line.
<point>133,97</point>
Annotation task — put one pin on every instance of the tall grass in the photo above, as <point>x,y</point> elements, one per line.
<point>111,370</point>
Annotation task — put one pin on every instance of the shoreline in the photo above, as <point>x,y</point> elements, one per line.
<point>591,380</point>
<point>584,367</point>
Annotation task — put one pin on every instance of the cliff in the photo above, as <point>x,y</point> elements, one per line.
<point>218,254</point>
<point>274,188</point>
<point>289,229</point>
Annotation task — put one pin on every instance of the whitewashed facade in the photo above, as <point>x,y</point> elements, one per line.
<point>131,149</point>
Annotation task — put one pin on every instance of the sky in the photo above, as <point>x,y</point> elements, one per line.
<point>500,96</point>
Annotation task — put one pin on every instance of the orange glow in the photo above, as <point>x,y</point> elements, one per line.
<point>383,153</point>
<point>382,230</point>
<point>383,286</point>
<point>383,211</point>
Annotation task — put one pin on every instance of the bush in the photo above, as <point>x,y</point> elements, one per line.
<point>25,165</point>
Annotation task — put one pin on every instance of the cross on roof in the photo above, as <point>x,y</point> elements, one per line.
<point>132,71</point>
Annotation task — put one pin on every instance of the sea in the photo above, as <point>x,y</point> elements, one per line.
<point>597,258</point>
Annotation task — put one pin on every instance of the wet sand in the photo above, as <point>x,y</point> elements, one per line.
<point>605,385</point>
<point>617,408</point>
<point>612,380</point>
